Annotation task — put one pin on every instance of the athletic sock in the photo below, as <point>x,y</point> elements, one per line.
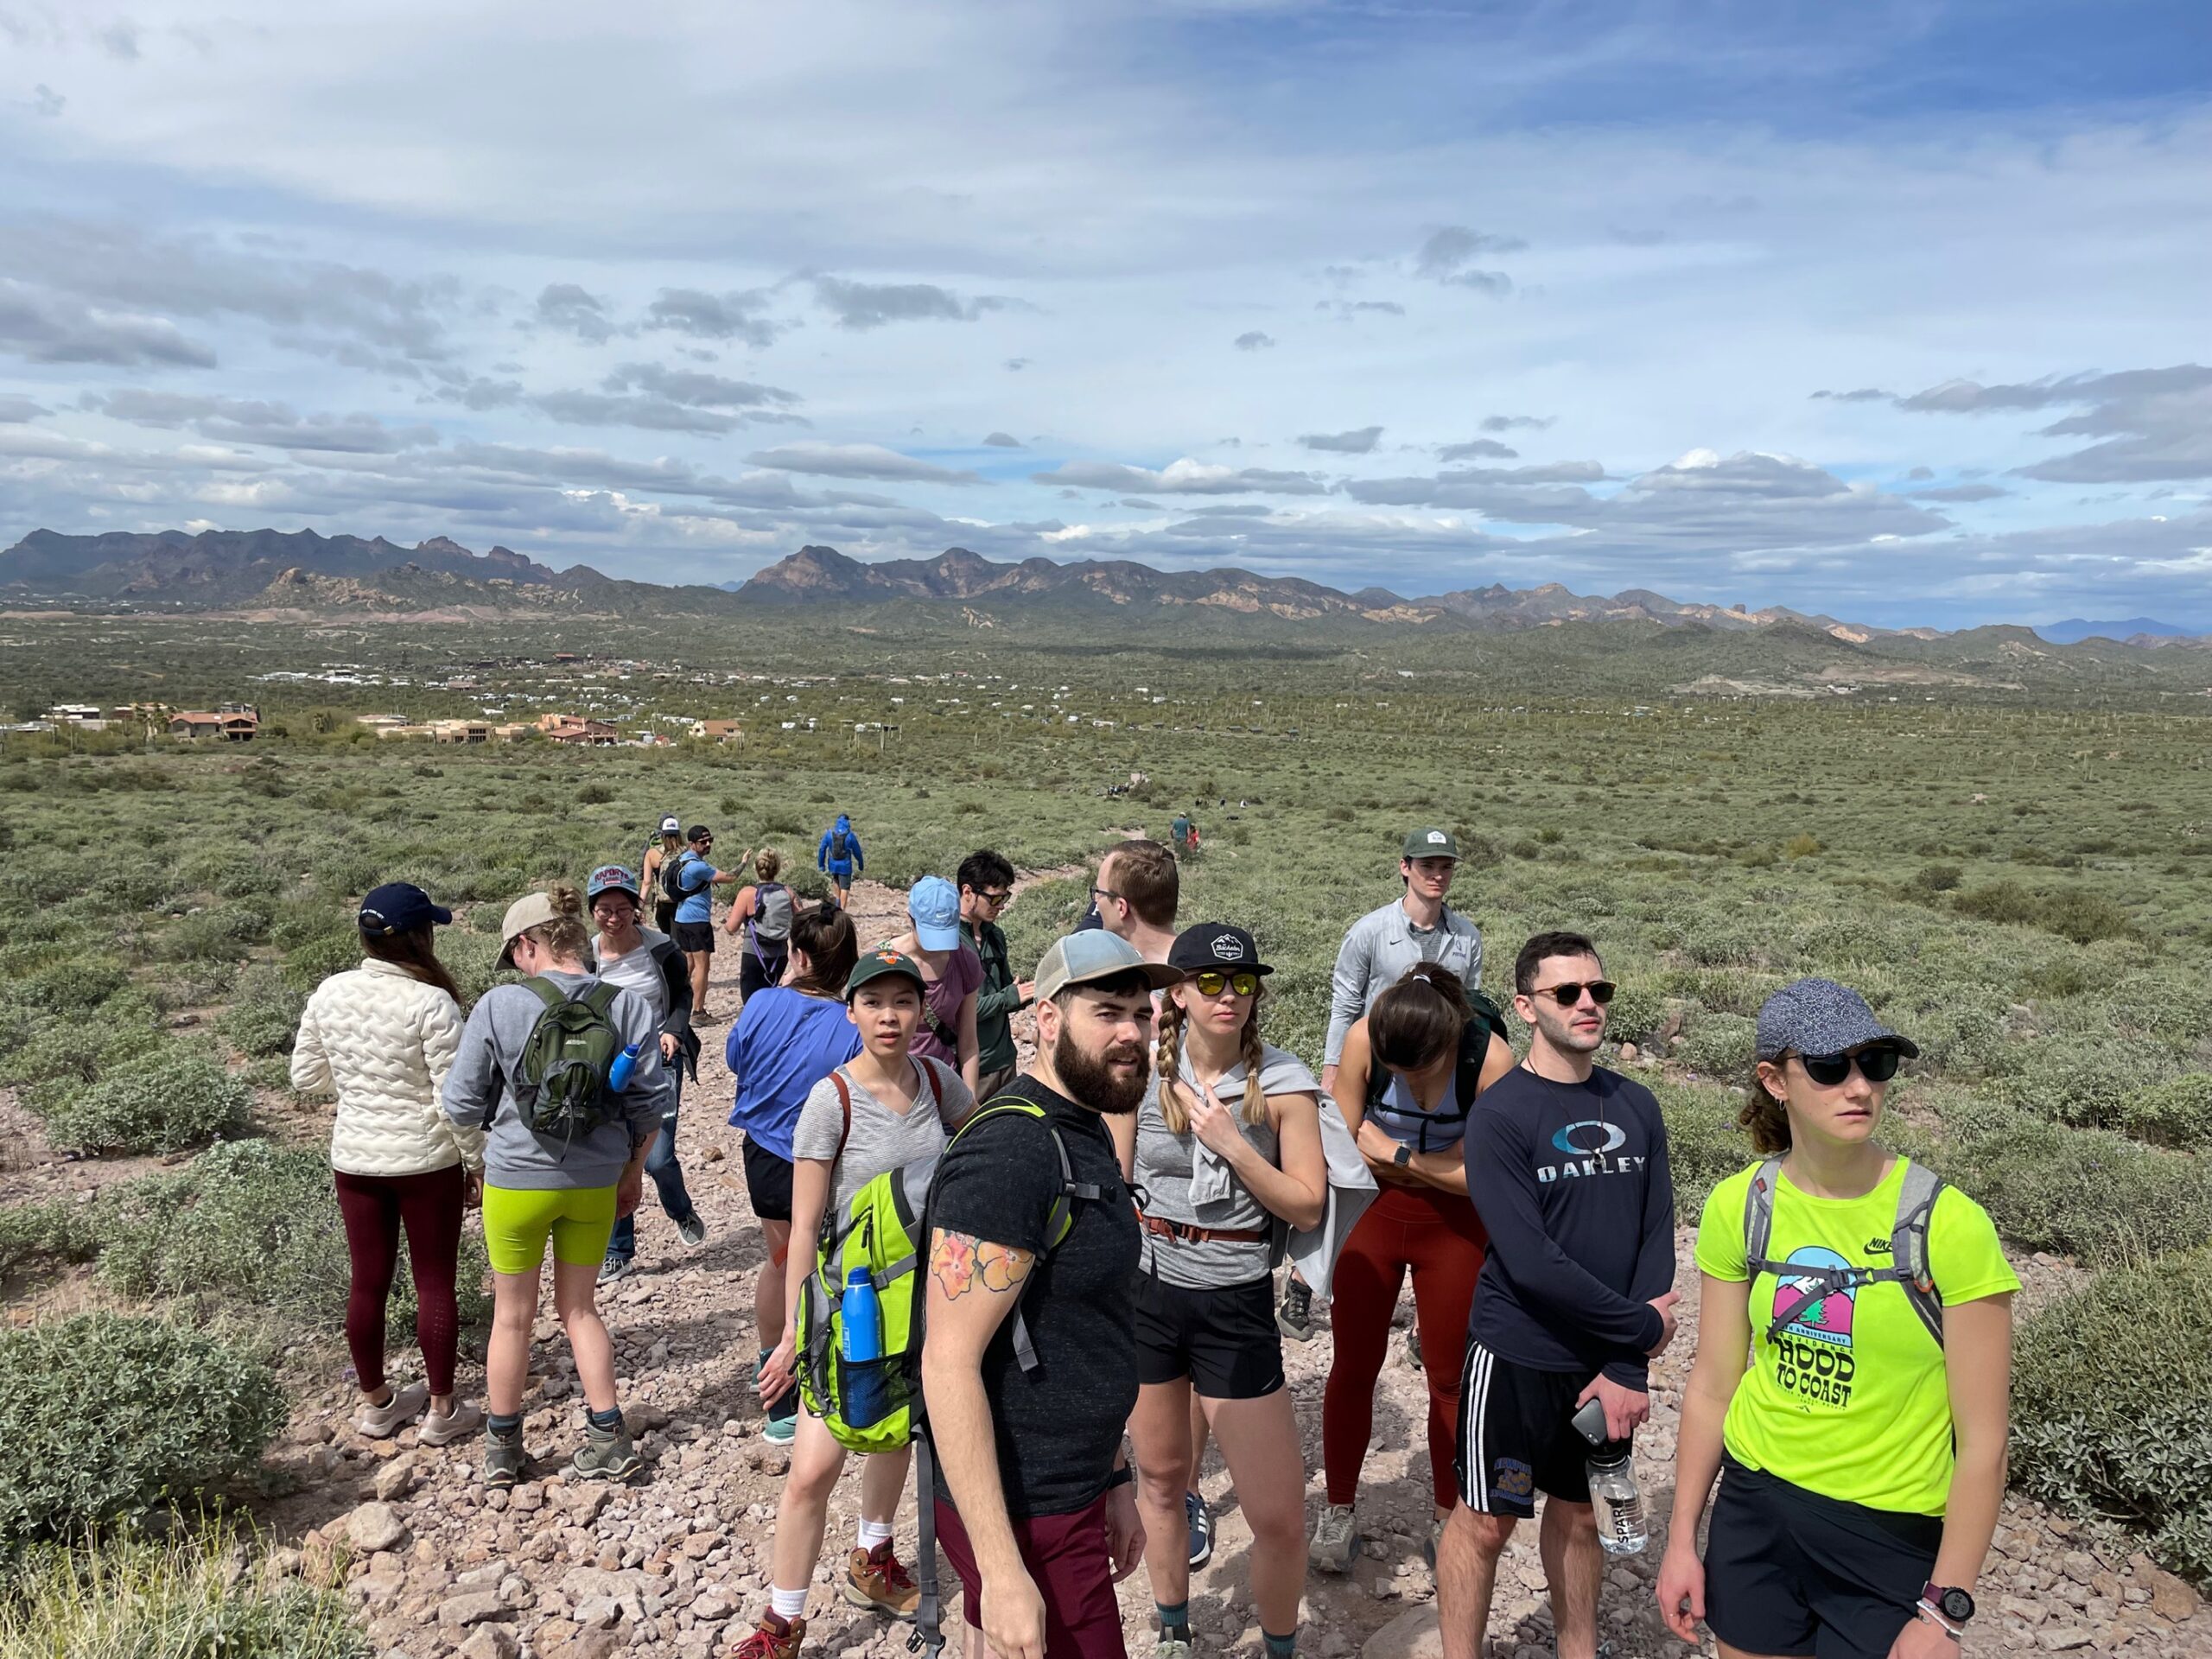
<point>1175,1621</point>
<point>1280,1647</point>
<point>506,1425</point>
<point>787,1604</point>
<point>873,1533</point>
<point>608,1422</point>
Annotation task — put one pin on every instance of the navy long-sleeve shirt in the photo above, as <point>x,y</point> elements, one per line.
<point>1571,1180</point>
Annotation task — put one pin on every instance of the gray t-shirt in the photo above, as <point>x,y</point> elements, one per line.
<point>636,971</point>
<point>1165,1163</point>
<point>881,1138</point>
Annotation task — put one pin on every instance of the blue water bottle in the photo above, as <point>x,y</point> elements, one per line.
<point>617,1075</point>
<point>866,1395</point>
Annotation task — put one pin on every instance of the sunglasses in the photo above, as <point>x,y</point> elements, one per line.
<point>1875,1065</point>
<point>1601,992</point>
<point>1210,981</point>
<point>995,899</point>
<point>1104,892</point>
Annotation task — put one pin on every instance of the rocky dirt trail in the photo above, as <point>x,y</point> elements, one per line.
<point>675,1565</point>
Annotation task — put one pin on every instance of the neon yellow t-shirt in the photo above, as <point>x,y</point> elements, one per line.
<point>1852,1402</point>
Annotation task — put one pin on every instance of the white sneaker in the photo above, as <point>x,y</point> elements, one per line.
<point>615,1267</point>
<point>1336,1540</point>
<point>461,1422</point>
<point>381,1422</point>
<point>692,1230</point>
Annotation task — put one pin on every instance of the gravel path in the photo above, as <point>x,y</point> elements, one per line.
<point>675,1565</point>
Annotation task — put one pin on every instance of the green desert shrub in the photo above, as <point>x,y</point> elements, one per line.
<point>2081,1192</point>
<point>2086,1083</point>
<point>74,985</point>
<point>2176,1113</point>
<point>177,1095</point>
<point>59,1230</point>
<point>133,1596</point>
<point>2074,913</point>
<point>264,1015</point>
<point>109,1415</point>
<point>2112,1406</point>
<point>1705,1144</point>
<point>83,1050</point>
<point>1718,1044</point>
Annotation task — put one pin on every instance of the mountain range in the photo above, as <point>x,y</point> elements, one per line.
<point>300,571</point>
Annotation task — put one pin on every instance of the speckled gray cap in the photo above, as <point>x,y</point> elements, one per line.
<point>1818,1017</point>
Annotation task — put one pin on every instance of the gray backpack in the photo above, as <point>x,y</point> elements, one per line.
<point>771,918</point>
<point>1909,1267</point>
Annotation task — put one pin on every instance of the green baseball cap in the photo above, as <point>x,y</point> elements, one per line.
<point>875,964</point>
<point>1432,842</point>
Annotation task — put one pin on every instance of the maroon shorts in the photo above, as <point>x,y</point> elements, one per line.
<point>1072,1568</point>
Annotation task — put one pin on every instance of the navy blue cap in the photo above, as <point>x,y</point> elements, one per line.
<point>399,907</point>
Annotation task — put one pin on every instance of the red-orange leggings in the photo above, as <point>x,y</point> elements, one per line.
<point>1441,1238</point>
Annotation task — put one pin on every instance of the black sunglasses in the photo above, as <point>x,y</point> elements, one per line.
<point>1104,892</point>
<point>992,897</point>
<point>1601,992</point>
<point>1875,1065</point>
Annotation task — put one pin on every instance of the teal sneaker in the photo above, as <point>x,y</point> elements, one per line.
<point>606,1454</point>
<point>781,1426</point>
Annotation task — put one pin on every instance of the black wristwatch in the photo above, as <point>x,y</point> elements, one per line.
<point>1403,1156</point>
<point>1953,1603</point>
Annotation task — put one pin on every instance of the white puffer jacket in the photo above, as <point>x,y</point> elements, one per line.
<point>382,1042</point>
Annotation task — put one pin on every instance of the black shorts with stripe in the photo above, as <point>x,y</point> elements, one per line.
<point>1518,1436</point>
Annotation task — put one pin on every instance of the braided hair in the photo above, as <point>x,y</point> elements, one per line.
<point>1167,1057</point>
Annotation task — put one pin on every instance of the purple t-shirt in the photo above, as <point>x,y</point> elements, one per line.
<point>962,978</point>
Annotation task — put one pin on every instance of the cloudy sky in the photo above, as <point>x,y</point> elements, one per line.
<point>1895,309</point>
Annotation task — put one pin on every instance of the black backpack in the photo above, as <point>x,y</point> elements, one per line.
<point>840,846</point>
<point>669,869</point>
<point>1466,1078</point>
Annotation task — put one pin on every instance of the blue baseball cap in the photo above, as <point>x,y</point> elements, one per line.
<point>934,905</point>
<point>399,907</point>
<point>610,878</point>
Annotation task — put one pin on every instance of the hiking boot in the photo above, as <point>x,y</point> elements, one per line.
<point>691,1230</point>
<point>1336,1540</point>
<point>1199,1515</point>
<point>606,1454</point>
<point>1294,1313</point>
<point>504,1461</point>
<point>461,1422</point>
<point>781,1426</point>
<point>771,1638</point>
<point>381,1422</point>
<point>874,1579</point>
<point>1177,1646</point>
<point>615,1267</point>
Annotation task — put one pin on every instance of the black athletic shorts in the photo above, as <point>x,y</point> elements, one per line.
<point>690,936</point>
<point>1225,1341</point>
<point>1789,1571</point>
<point>1518,1436</point>
<point>767,1182</point>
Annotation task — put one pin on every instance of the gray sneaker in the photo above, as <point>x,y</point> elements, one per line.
<point>615,1267</point>
<point>1336,1540</point>
<point>461,1422</point>
<point>1170,1646</point>
<point>606,1454</point>
<point>381,1422</point>
<point>1295,1312</point>
<point>692,1230</point>
<point>504,1461</point>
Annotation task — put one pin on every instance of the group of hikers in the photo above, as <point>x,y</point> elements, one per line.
<point>1058,1281</point>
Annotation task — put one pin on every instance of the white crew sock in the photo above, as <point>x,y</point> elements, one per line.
<point>873,1533</point>
<point>787,1604</point>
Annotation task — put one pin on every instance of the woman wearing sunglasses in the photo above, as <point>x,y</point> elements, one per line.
<point>1228,1144</point>
<point>1408,1073</point>
<point>1860,1471</point>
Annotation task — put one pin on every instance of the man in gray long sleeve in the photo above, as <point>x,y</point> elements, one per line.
<point>1383,944</point>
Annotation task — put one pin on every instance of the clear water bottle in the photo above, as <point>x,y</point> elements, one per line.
<point>1618,1504</point>
<point>618,1074</point>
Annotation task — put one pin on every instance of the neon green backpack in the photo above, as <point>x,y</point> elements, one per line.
<point>880,1229</point>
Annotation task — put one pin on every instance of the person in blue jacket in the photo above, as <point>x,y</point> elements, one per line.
<point>839,857</point>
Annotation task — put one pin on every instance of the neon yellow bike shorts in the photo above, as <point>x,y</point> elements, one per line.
<point>517,1223</point>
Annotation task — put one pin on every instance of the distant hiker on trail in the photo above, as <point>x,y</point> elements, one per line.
<point>691,881</point>
<point>382,1038</point>
<point>886,1112</point>
<point>666,848</point>
<point>840,858</point>
<point>952,977</point>
<point>786,1039</point>
<point>647,964</point>
<point>761,915</point>
<point>1182,834</point>
<point>1854,1515</point>
<point>564,1154</point>
<point>1576,1296</point>
<point>986,884</point>
<point>1032,1231</point>
<point>1226,1146</point>
<point>1411,1072</point>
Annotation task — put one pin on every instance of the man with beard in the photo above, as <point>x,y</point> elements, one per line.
<point>1029,1364</point>
<point>1567,1163</point>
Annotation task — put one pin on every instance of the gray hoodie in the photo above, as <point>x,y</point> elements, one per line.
<point>517,1156</point>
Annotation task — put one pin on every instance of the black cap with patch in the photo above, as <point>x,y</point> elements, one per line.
<point>1215,945</point>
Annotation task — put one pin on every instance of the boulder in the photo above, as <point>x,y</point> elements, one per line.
<point>373,1527</point>
<point>1412,1634</point>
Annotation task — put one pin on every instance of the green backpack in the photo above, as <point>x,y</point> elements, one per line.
<point>561,1085</point>
<point>878,1229</point>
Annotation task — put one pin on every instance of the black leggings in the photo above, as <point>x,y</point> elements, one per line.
<point>752,975</point>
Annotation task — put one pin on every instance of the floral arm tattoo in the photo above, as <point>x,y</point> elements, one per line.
<point>960,1261</point>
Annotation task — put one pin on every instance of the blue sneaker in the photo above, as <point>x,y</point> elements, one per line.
<point>1200,1516</point>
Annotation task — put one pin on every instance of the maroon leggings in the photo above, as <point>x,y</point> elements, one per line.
<point>1441,1238</point>
<point>375,1208</point>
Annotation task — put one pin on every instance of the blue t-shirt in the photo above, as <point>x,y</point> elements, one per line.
<point>783,1044</point>
<point>695,880</point>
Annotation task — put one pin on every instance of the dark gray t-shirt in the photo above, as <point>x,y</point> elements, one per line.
<point>881,1138</point>
<point>1166,1165</point>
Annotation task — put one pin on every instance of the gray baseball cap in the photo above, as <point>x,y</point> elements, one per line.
<point>1431,843</point>
<point>1087,957</point>
<point>1819,1017</point>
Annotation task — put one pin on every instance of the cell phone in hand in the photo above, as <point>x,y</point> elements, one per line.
<point>1589,1421</point>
